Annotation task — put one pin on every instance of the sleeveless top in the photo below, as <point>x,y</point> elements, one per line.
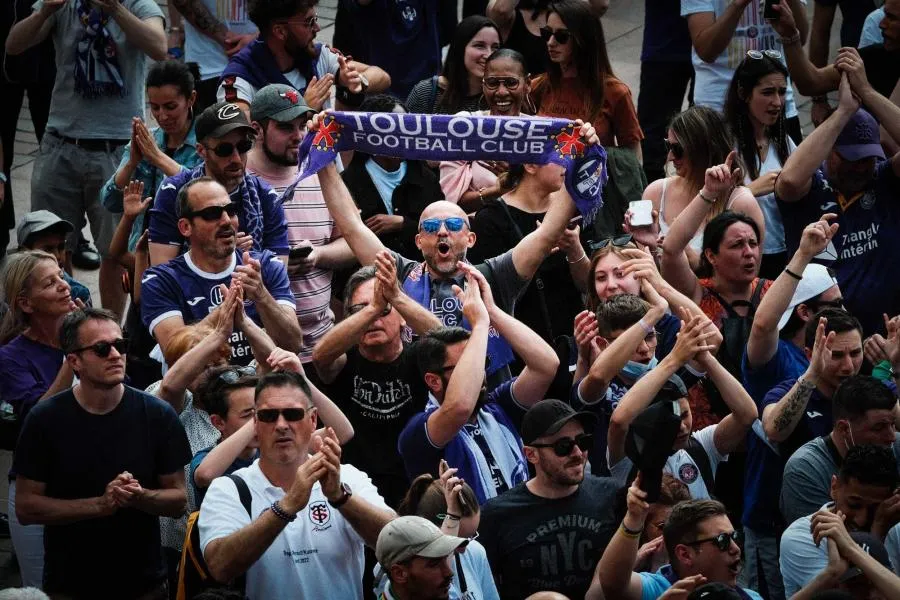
<point>696,242</point>
<point>531,46</point>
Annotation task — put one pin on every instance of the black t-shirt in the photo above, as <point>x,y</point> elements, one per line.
<point>76,454</point>
<point>379,399</point>
<point>536,543</point>
<point>882,68</point>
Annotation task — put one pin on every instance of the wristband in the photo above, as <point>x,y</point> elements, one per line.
<point>281,513</point>
<point>572,262</point>
<point>790,41</point>
<point>792,274</point>
<point>711,200</point>
<point>632,534</point>
<point>481,195</point>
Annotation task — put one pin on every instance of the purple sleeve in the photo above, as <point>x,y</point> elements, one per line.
<point>418,453</point>
<point>275,236</point>
<point>275,278</point>
<point>160,295</point>
<point>777,393</point>
<point>163,218</point>
<point>21,385</point>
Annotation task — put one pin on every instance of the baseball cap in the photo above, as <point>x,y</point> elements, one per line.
<point>649,442</point>
<point>279,102</point>
<point>872,546</point>
<point>549,416</point>
<point>410,536</point>
<point>859,138</point>
<point>715,591</point>
<point>38,221</point>
<point>220,119</point>
<point>816,279</point>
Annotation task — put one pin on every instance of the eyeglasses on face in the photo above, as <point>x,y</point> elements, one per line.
<point>352,310</point>
<point>675,148</point>
<point>721,541</point>
<point>102,349</point>
<point>226,149</point>
<point>232,375</point>
<point>617,241</point>
<point>562,35</point>
<point>270,415</point>
<point>453,224</point>
<point>308,22</point>
<point>213,213</point>
<point>493,83</point>
<point>758,55</point>
<point>564,446</point>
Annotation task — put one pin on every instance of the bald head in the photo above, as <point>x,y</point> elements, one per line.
<point>547,596</point>
<point>443,209</point>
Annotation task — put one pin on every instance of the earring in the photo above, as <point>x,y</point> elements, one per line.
<point>191,113</point>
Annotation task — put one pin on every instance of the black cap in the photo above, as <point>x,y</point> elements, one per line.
<point>220,119</point>
<point>649,443</point>
<point>715,591</point>
<point>872,546</point>
<point>549,416</point>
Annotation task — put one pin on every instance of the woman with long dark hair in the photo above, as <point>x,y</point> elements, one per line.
<point>754,109</point>
<point>579,83</point>
<point>459,85</point>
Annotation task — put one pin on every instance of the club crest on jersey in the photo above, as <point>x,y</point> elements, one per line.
<point>319,515</point>
<point>688,473</point>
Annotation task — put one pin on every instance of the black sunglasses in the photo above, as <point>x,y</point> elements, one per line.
<point>102,349</point>
<point>226,149</point>
<point>675,148</point>
<point>358,307</point>
<point>270,415</point>
<point>487,364</point>
<point>820,304</point>
<point>562,35</point>
<point>232,375</point>
<point>617,241</point>
<point>213,213</point>
<point>564,446</point>
<point>721,541</point>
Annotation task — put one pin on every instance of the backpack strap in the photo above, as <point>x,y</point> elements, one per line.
<point>698,453</point>
<point>243,492</point>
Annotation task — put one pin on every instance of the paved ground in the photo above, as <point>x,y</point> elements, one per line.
<point>623,25</point>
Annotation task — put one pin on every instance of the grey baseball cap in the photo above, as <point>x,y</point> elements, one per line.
<point>279,102</point>
<point>38,221</point>
<point>407,537</point>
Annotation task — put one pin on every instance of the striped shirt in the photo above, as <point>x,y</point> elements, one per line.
<point>307,218</point>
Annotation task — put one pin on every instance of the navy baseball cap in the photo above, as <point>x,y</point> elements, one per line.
<point>860,138</point>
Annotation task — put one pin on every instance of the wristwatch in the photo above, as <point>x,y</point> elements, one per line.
<point>346,492</point>
<point>353,99</point>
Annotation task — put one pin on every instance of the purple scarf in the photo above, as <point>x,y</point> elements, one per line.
<point>536,140</point>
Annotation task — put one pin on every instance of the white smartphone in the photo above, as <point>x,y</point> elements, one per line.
<point>641,213</point>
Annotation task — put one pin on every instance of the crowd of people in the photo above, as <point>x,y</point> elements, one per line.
<point>422,379</point>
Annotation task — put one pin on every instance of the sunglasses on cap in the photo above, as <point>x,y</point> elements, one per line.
<point>493,83</point>
<point>453,224</point>
<point>562,35</point>
<point>675,148</point>
<point>232,375</point>
<point>102,349</point>
<point>564,446</point>
<point>617,241</point>
<point>226,149</point>
<point>721,541</point>
<point>213,213</point>
<point>270,415</point>
<point>758,55</point>
<point>358,307</point>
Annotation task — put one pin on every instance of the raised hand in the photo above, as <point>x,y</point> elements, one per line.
<point>785,25</point>
<point>243,241</point>
<point>235,42</point>
<point>636,504</point>
<point>348,76</point>
<point>473,307</point>
<point>483,286</point>
<point>131,200</point>
<point>721,179</point>
<point>815,236</point>
<point>586,331</point>
<point>452,486</point>
<point>891,345</point>
<point>386,276</point>
<point>318,91</point>
<point>250,275</point>
<point>850,63</point>
<point>311,471</point>
<point>847,100</point>
<point>329,448</point>
<point>821,350</point>
<point>682,588</point>
<point>693,337</point>
<point>283,360</point>
<point>645,235</point>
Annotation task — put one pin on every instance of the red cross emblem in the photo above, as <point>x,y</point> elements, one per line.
<point>292,96</point>
<point>569,142</point>
<point>327,135</point>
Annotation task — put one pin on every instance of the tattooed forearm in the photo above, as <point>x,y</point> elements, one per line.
<point>794,403</point>
<point>200,17</point>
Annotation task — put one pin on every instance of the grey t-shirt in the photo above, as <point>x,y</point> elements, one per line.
<point>104,117</point>
<point>806,485</point>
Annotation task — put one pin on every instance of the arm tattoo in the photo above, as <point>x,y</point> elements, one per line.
<point>200,17</point>
<point>796,401</point>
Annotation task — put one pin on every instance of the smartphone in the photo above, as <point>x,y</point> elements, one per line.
<point>301,252</point>
<point>769,12</point>
<point>641,213</point>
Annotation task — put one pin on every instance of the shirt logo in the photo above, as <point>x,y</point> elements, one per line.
<point>688,473</point>
<point>215,296</point>
<point>812,414</point>
<point>194,301</point>
<point>228,112</point>
<point>319,515</point>
<point>148,277</point>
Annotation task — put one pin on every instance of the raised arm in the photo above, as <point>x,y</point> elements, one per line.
<point>763,341</point>
<point>823,17</point>
<point>732,430</point>
<point>464,387</point>
<point>615,569</point>
<point>33,29</point>
<point>223,454</point>
<point>503,13</point>
<point>809,79</point>
<point>640,263</point>
<point>540,360</point>
<point>148,35</point>
<point>279,320</point>
<point>420,319</point>
<point>710,35</point>
<point>197,14</point>
<point>796,177</point>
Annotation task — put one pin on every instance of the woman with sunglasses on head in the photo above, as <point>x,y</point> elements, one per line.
<point>754,109</point>
<point>32,368</point>
<point>459,85</point>
<point>697,139</point>
<point>505,87</point>
<point>154,154</point>
<point>579,83</point>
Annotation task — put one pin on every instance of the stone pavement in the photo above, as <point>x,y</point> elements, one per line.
<point>623,26</point>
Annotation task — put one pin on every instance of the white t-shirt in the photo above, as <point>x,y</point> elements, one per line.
<point>774,241</point>
<point>752,33</point>
<point>680,465</point>
<point>327,63</point>
<point>319,555</point>
<point>204,50</point>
